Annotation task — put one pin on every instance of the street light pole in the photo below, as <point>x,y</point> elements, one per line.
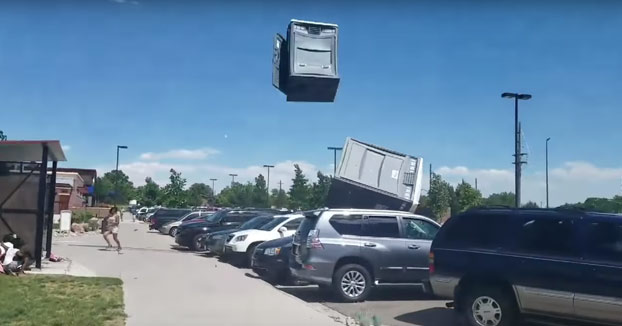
<point>119,147</point>
<point>268,181</point>
<point>233,175</point>
<point>335,149</point>
<point>547,172</point>
<point>213,186</point>
<point>517,152</point>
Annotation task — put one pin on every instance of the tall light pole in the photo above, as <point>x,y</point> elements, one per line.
<point>119,147</point>
<point>232,175</point>
<point>268,182</point>
<point>547,172</point>
<point>517,154</point>
<point>335,149</point>
<point>213,186</point>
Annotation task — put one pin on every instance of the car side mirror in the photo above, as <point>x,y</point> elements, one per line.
<point>282,230</point>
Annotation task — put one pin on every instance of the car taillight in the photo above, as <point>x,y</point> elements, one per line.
<point>313,239</point>
<point>431,261</point>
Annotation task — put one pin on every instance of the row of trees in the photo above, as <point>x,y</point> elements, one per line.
<point>444,200</point>
<point>115,187</point>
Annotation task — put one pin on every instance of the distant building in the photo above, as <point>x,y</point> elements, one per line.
<point>86,187</point>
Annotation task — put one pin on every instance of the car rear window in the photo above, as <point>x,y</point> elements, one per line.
<point>347,224</point>
<point>308,224</point>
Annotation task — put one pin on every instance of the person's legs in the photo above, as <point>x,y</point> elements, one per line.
<point>115,236</point>
<point>107,240</point>
<point>12,268</point>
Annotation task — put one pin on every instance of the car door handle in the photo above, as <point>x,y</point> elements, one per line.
<point>413,246</point>
<point>369,244</point>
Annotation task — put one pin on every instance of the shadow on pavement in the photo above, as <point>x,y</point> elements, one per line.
<point>403,293</point>
<point>180,248</point>
<point>430,317</point>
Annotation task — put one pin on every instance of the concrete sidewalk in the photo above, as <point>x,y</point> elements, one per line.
<point>165,286</point>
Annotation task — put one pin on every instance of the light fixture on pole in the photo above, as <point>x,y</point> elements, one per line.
<point>119,147</point>
<point>517,154</point>
<point>268,181</point>
<point>335,149</point>
<point>213,185</point>
<point>232,175</point>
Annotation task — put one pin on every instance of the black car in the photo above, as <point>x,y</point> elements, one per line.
<point>271,260</point>
<point>215,242</point>
<point>165,215</point>
<point>191,233</point>
<point>503,265</point>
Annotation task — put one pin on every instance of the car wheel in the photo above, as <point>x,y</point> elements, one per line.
<point>352,282</point>
<point>173,231</point>
<point>197,243</point>
<point>486,306</point>
<point>249,254</point>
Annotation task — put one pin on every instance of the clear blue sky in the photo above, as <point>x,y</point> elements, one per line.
<point>421,77</point>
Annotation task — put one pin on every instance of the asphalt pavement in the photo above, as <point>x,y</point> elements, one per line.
<point>166,286</point>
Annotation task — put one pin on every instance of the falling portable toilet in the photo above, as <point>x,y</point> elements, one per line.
<point>305,64</point>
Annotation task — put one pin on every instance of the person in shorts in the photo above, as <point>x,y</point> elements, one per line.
<point>110,225</point>
<point>9,265</point>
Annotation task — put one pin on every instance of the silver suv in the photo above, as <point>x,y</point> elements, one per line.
<point>348,251</point>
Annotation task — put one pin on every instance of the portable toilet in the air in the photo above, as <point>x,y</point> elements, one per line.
<point>305,64</point>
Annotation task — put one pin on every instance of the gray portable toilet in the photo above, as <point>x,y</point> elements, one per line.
<point>308,62</point>
<point>370,176</point>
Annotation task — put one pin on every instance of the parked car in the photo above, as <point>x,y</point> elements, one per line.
<point>215,242</point>
<point>191,233</point>
<point>170,228</point>
<point>348,251</point>
<point>271,260</point>
<point>149,214</point>
<point>165,215</point>
<point>242,244</point>
<point>502,264</point>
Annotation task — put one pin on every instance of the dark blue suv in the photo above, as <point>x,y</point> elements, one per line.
<point>503,265</point>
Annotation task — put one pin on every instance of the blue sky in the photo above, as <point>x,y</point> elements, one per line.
<point>193,79</point>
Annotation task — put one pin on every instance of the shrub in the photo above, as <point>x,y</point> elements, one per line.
<point>81,217</point>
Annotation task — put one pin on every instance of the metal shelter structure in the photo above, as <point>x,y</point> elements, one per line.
<point>28,158</point>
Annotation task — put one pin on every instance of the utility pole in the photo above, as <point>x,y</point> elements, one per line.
<point>547,172</point>
<point>475,183</point>
<point>517,150</point>
<point>232,175</point>
<point>335,149</point>
<point>119,147</point>
<point>280,185</point>
<point>430,186</point>
<point>268,181</point>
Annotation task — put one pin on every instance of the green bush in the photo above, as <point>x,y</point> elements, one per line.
<point>81,217</point>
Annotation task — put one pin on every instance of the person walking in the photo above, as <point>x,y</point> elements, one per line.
<point>110,225</point>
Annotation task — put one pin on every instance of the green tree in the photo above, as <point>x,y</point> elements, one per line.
<point>299,191</point>
<point>530,204</point>
<point>278,198</point>
<point>2,136</point>
<point>173,194</point>
<point>236,195</point>
<point>467,197</point>
<point>260,192</point>
<point>439,196</point>
<point>602,205</point>
<point>319,191</point>
<point>199,194</point>
<point>500,199</point>
<point>114,187</point>
<point>149,194</point>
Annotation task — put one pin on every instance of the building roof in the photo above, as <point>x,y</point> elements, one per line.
<point>30,150</point>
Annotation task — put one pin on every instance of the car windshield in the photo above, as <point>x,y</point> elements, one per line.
<point>256,222</point>
<point>272,224</point>
<point>216,217</point>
